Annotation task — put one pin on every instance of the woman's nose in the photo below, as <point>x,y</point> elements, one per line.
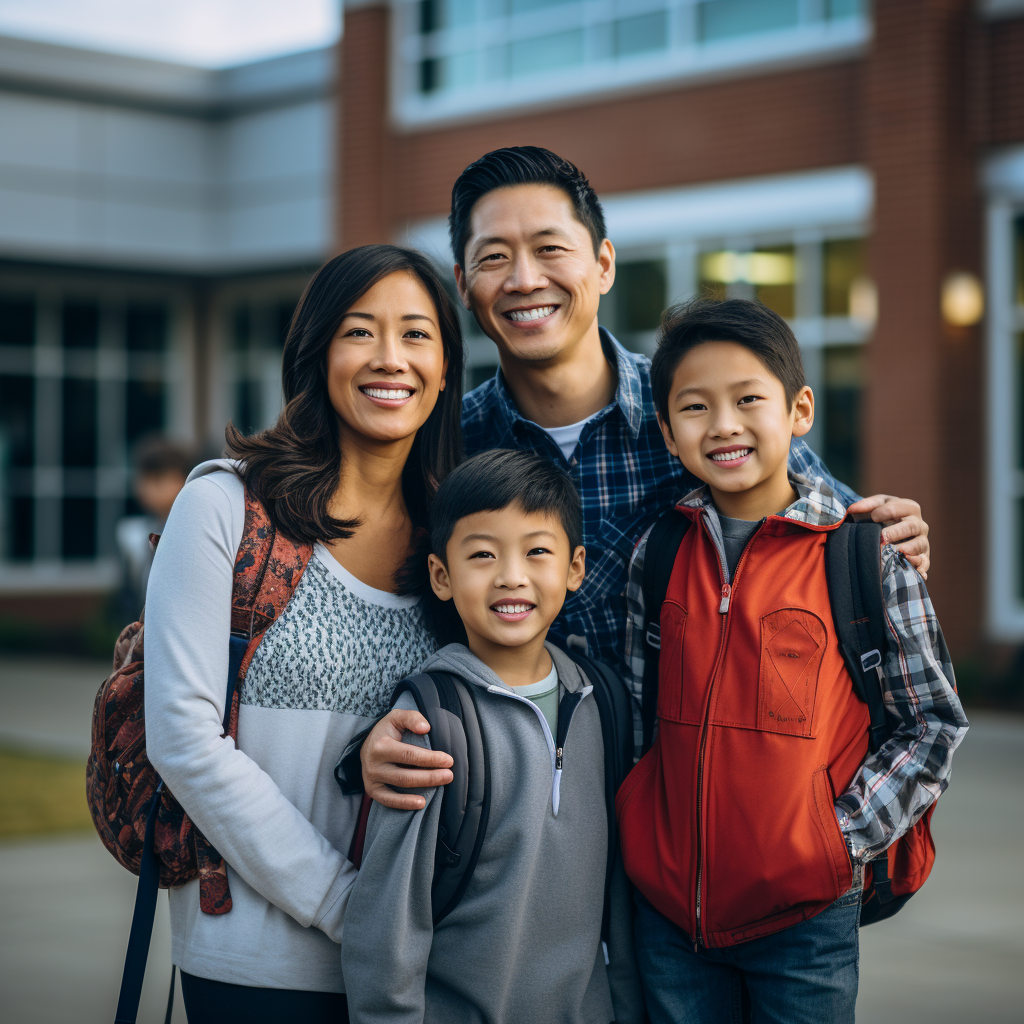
<point>388,356</point>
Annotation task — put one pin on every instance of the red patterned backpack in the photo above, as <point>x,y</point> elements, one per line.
<point>137,818</point>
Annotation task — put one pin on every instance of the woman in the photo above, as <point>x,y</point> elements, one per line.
<point>372,383</point>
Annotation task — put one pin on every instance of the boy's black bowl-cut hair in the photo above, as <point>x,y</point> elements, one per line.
<point>496,479</point>
<point>750,324</point>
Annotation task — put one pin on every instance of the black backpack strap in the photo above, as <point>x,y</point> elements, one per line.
<point>614,707</point>
<point>853,567</point>
<point>449,705</point>
<point>659,559</point>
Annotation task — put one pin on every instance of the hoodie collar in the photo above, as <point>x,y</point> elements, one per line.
<point>460,660</point>
<point>817,504</point>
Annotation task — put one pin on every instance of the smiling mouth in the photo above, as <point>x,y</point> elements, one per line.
<point>730,456</point>
<point>386,394</point>
<point>512,611</point>
<point>523,316</point>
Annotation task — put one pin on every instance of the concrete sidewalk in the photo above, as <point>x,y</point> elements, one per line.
<point>955,954</point>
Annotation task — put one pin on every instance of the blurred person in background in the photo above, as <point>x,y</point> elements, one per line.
<point>372,381</point>
<point>160,467</point>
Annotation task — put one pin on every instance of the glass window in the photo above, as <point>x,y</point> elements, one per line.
<point>640,290</point>
<point>546,53</point>
<point>78,517</point>
<point>1018,261</point>
<point>844,377</point>
<point>146,328</point>
<point>724,19</point>
<point>17,321</point>
<point>79,422</point>
<point>839,9</point>
<point>80,324</point>
<point>766,274</point>
<point>17,409</point>
<point>845,263</point>
<point>144,407</point>
<point>641,34</point>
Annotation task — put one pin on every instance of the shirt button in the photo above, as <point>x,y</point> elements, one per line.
<point>574,460</point>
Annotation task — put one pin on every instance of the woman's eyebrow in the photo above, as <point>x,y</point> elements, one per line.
<point>419,316</point>
<point>359,316</point>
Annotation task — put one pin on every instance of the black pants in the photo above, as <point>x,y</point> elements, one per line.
<point>217,1002</point>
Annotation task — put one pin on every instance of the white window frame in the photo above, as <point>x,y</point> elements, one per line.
<point>684,60</point>
<point>1004,180</point>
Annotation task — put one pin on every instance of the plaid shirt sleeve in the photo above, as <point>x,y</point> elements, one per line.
<point>635,659</point>
<point>896,784</point>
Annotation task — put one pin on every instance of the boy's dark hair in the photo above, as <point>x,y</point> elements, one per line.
<point>156,455</point>
<point>521,165</point>
<point>750,324</point>
<point>493,480</point>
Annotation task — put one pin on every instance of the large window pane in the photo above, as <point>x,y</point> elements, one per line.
<point>724,19</point>
<point>553,52</point>
<point>1019,395</point>
<point>844,377</point>
<point>80,324</point>
<point>641,34</point>
<point>20,528</point>
<point>146,328</point>
<point>836,9</point>
<point>1018,261</point>
<point>844,264</point>
<point>639,295</point>
<point>79,528</point>
<point>144,408</point>
<point>17,321</point>
<point>765,274</point>
<point>79,422</point>
<point>17,409</point>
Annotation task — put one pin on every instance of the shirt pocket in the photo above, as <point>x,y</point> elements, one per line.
<point>670,663</point>
<point>793,644</point>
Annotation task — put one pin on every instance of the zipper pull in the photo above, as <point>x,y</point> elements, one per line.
<point>726,595</point>
<point>558,759</point>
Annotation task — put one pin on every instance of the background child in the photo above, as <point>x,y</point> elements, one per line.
<point>524,942</point>
<point>749,822</point>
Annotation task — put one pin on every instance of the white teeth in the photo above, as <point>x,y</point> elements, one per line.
<point>731,456</point>
<point>394,393</point>
<point>522,315</point>
<point>512,609</point>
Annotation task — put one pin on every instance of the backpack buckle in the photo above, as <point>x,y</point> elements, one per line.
<point>873,659</point>
<point>653,636</point>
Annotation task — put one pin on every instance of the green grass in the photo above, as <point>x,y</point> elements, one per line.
<point>41,795</point>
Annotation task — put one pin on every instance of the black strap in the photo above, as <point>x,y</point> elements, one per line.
<point>659,559</point>
<point>853,567</point>
<point>142,923</point>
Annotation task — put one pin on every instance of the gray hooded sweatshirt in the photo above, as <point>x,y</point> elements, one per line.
<point>524,942</point>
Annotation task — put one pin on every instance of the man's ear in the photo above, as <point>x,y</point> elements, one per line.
<point>606,257</point>
<point>461,285</point>
<point>439,581</point>
<point>666,432</point>
<point>577,569</point>
<point>803,411</point>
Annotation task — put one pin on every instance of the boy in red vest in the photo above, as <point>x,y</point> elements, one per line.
<point>747,826</point>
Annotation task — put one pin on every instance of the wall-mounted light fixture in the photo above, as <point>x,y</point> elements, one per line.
<point>864,302</point>
<point>963,299</point>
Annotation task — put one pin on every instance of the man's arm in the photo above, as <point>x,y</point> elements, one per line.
<point>389,925</point>
<point>901,517</point>
<point>895,785</point>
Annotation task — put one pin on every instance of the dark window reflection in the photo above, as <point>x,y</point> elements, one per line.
<point>79,527</point>
<point>80,324</point>
<point>144,408</point>
<point>17,407</point>
<point>17,321</point>
<point>146,328</point>
<point>844,382</point>
<point>79,422</point>
<point>20,531</point>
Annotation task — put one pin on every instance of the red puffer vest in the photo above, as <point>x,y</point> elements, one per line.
<point>727,823</point>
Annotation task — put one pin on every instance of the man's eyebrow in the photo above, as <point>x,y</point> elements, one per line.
<point>499,240</point>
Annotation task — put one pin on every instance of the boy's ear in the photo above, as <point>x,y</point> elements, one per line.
<point>577,568</point>
<point>439,581</point>
<point>666,432</point>
<point>803,411</point>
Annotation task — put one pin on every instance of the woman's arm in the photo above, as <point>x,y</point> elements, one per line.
<point>233,802</point>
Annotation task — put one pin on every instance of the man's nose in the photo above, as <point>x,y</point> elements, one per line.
<point>526,276</point>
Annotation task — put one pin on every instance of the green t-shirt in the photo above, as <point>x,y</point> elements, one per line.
<point>545,695</point>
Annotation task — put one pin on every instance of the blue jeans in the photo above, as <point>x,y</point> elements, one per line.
<point>806,974</point>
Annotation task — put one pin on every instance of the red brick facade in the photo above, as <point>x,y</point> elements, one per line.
<point>934,91</point>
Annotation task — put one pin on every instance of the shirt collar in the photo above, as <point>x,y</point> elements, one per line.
<point>628,390</point>
<point>817,504</point>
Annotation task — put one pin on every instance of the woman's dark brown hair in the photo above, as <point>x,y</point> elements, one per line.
<point>293,466</point>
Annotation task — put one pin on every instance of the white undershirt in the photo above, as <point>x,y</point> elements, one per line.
<point>566,437</point>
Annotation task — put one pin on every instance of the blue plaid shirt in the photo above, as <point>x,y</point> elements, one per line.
<point>625,476</point>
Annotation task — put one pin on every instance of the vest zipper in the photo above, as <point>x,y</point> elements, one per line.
<point>723,609</point>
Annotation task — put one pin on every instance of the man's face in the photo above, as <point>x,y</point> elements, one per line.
<point>531,277</point>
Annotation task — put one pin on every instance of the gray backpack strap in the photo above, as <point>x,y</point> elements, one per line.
<point>449,705</point>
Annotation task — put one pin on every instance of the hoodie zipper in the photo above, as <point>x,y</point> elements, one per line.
<point>556,752</point>
<point>723,610</point>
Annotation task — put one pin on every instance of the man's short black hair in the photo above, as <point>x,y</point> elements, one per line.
<point>521,165</point>
<point>750,324</point>
<point>494,480</point>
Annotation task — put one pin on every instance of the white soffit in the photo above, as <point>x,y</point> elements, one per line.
<point>749,206</point>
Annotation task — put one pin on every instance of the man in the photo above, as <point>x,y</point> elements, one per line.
<point>531,263</point>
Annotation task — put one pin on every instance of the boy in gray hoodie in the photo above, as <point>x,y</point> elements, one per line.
<point>524,942</point>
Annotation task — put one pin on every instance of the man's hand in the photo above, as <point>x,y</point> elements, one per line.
<point>387,762</point>
<point>904,527</point>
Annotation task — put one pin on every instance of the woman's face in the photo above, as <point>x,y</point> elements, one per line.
<point>386,362</point>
